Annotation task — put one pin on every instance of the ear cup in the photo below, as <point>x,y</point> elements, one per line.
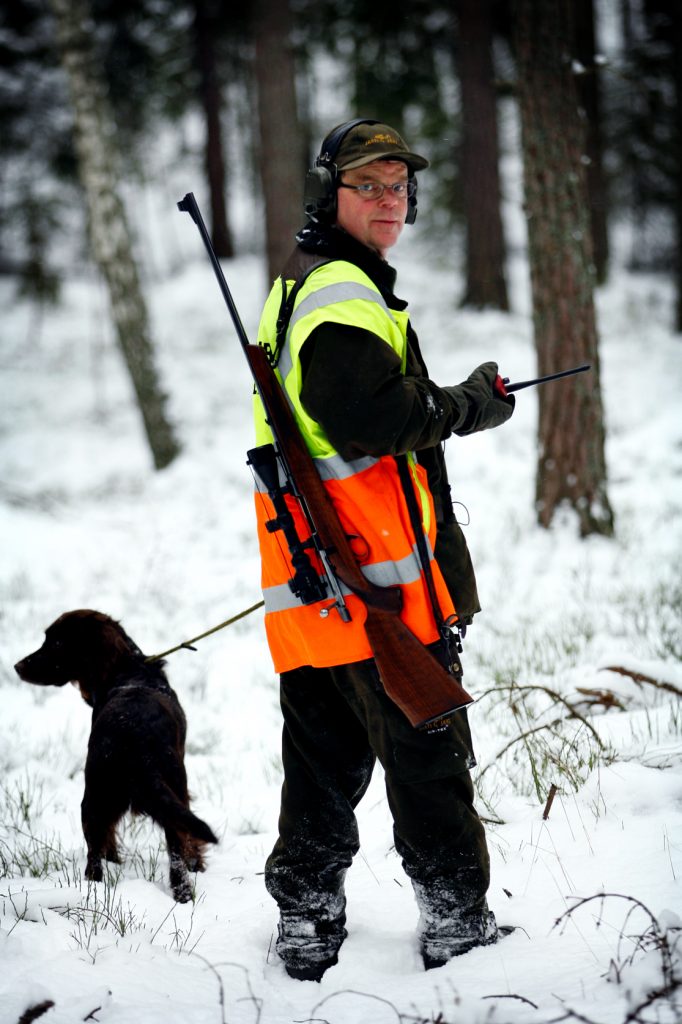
<point>411,215</point>
<point>319,194</point>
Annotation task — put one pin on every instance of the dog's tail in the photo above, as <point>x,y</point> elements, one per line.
<point>169,812</point>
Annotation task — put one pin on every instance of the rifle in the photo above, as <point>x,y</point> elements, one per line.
<point>504,388</point>
<point>411,675</point>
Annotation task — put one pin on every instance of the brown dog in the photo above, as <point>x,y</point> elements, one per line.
<point>137,740</point>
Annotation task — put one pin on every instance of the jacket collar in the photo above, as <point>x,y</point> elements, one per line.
<point>333,243</point>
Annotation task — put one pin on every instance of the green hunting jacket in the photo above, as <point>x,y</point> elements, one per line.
<point>354,387</point>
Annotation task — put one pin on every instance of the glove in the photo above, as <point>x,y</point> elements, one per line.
<point>485,406</point>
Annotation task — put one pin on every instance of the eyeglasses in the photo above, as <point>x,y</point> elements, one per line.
<point>375,189</point>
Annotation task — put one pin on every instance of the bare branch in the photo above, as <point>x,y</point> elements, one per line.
<point>640,677</point>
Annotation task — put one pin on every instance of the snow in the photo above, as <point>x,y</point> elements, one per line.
<point>86,522</point>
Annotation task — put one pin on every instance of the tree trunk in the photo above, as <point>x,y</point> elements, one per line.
<point>281,149</point>
<point>676,15</point>
<point>485,246</point>
<point>589,98</point>
<point>98,163</point>
<point>571,463</point>
<point>211,101</point>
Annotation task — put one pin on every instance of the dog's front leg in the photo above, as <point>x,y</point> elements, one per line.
<point>93,867</point>
<point>99,831</point>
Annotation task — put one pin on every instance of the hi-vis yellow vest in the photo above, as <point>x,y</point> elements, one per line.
<point>366,492</point>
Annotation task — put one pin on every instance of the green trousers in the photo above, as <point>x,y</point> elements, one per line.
<point>337,723</point>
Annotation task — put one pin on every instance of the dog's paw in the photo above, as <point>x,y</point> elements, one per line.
<point>93,870</point>
<point>182,893</point>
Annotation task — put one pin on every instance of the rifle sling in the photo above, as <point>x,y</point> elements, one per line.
<point>418,530</point>
<point>286,306</point>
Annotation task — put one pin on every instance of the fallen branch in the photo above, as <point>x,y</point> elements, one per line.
<point>640,677</point>
<point>605,698</point>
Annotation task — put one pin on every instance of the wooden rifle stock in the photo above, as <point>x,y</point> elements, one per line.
<point>411,675</point>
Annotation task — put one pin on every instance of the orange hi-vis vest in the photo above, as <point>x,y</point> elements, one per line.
<point>367,493</point>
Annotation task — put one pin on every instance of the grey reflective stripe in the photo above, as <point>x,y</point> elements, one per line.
<point>284,365</point>
<point>281,598</point>
<point>333,468</point>
<point>336,468</point>
<point>344,291</point>
<point>383,574</point>
<point>387,574</point>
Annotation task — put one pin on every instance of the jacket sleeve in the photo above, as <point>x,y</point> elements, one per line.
<point>353,385</point>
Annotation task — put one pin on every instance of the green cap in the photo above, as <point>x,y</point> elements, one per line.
<point>368,142</point>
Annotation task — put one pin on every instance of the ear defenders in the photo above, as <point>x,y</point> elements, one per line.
<point>320,189</point>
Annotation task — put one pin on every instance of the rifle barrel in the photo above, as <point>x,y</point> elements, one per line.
<point>511,388</point>
<point>189,205</point>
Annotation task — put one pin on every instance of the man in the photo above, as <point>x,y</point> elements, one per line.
<point>351,367</point>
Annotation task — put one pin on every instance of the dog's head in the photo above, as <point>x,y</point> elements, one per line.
<point>83,647</point>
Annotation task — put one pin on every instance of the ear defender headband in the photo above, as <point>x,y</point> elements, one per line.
<point>321,182</point>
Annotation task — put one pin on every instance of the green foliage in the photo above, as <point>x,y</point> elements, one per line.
<point>399,61</point>
<point>400,57</point>
<point>642,93</point>
<point>36,145</point>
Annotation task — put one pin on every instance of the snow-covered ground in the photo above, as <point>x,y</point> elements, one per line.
<point>86,522</point>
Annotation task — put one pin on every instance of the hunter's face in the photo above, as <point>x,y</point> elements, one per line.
<point>377,223</point>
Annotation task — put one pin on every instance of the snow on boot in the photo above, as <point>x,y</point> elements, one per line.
<point>309,947</point>
<point>451,922</point>
<point>442,940</point>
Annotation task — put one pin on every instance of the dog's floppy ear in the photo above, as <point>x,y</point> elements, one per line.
<point>86,694</point>
<point>104,646</point>
<point>122,643</point>
<point>112,645</point>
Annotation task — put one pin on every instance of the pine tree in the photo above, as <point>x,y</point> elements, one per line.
<point>588,84</point>
<point>205,26</point>
<point>571,462</point>
<point>281,143</point>
<point>485,245</point>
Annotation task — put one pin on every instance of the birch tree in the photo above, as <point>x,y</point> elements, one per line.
<point>98,165</point>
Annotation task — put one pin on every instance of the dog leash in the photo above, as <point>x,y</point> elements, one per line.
<point>187,644</point>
